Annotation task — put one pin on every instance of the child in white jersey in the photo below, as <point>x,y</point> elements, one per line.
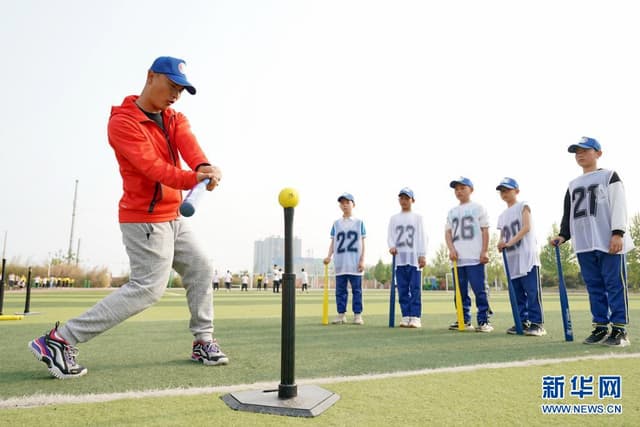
<point>595,216</point>
<point>467,238</point>
<point>517,238</point>
<point>407,244</point>
<point>347,244</point>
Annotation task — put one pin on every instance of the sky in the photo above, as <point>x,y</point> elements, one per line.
<point>327,97</point>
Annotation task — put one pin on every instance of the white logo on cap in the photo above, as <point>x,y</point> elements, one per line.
<point>182,67</point>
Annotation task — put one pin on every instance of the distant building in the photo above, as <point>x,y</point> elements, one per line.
<point>271,251</point>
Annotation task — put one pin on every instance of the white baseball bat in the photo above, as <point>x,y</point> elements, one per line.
<point>189,204</point>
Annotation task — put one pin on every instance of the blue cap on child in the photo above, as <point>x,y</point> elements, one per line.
<point>347,196</point>
<point>507,182</point>
<point>462,180</point>
<point>407,192</point>
<point>585,143</point>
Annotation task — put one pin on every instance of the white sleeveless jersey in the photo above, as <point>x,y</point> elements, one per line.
<point>524,255</point>
<point>406,234</point>
<point>465,222</point>
<point>591,212</point>
<point>347,234</point>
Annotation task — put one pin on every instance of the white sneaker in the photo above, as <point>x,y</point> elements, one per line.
<point>404,323</point>
<point>467,326</point>
<point>484,327</point>
<point>340,319</point>
<point>415,322</point>
<point>357,319</point>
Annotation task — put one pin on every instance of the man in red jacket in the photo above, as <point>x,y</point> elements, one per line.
<point>149,139</point>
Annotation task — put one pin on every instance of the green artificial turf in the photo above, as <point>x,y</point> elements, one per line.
<point>151,351</point>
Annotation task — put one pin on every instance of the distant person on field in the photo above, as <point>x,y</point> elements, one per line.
<point>277,278</point>
<point>407,243</point>
<point>149,139</point>
<point>305,280</point>
<point>595,216</point>
<point>518,241</point>
<point>259,281</point>
<point>347,249</point>
<point>215,280</point>
<point>467,238</point>
<point>228,277</point>
<point>245,283</point>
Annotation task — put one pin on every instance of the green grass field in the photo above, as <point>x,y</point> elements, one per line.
<point>151,352</point>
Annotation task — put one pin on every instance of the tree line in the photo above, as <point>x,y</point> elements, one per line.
<point>439,266</point>
<point>62,266</point>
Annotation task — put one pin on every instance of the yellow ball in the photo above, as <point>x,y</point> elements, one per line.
<point>288,198</point>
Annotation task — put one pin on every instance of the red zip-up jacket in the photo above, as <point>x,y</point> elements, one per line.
<point>149,160</point>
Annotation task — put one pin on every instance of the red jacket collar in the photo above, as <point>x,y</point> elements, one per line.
<point>130,108</point>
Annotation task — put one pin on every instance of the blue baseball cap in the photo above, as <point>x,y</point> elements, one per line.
<point>407,192</point>
<point>585,143</point>
<point>347,196</point>
<point>174,69</point>
<point>462,180</point>
<point>509,183</point>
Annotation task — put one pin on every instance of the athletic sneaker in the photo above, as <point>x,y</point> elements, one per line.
<point>357,319</point>
<point>599,334</point>
<point>208,353</point>
<point>415,322</point>
<point>404,323</point>
<point>484,327</point>
<point>467,326</point>
<point>535,330</point>
<point>525,326</point>
<point>617,338</point>
<point>57,354</point>
<point>340,319</point>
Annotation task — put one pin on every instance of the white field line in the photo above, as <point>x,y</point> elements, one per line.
<point>37,400</point>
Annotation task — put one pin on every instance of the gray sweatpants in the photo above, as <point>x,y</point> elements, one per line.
<point>153,249</point>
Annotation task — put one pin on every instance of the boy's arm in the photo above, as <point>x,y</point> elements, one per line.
<point>327,260</point>
<point>618,206</point>
<point>448,238</point>
<point>618,213</point>
<point>361,262</point>
<point>421,246</point>
<point>484,255</point>
<point>501,243</point>
<point>391,242</point>
<point>565,231</point>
